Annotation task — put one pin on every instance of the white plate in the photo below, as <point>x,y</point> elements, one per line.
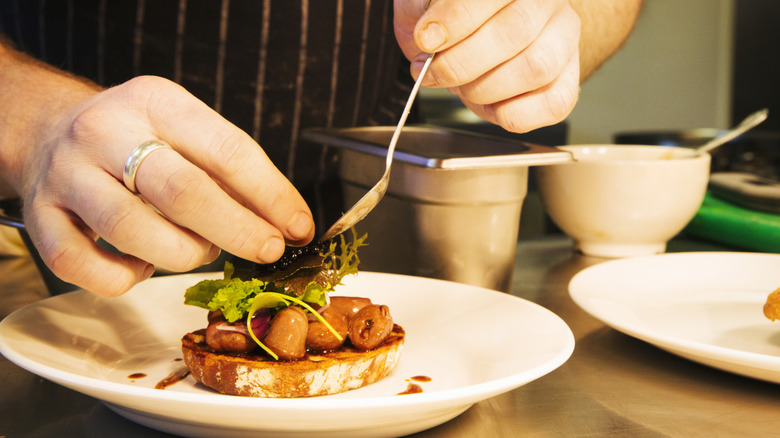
<point>706,307</point>
<point>473,343</point>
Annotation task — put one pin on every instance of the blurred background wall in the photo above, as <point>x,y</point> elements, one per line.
<point>674,72</point>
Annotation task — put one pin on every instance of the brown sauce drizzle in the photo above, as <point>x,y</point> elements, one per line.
<point>413,388</point>
<point>136,376</point>
<point>172,378</point>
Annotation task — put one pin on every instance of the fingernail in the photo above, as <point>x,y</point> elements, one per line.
<point>432,37</point>
<point>300,225</point>
<point>419,60</point>
<point>214,252</point>
<point>148,271</point>
<point>272,250</point>
<point>417,65</point>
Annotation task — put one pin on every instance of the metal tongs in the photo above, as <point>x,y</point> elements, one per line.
<point>360,210</point>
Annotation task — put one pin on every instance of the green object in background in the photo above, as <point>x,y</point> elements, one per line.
<point>724,222</point>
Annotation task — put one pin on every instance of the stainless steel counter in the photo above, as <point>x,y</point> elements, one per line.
<point>613,385</point>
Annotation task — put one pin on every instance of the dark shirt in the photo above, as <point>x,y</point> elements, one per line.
<point>272,67</point>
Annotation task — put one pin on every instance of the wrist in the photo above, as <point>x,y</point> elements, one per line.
<point>35,100</point>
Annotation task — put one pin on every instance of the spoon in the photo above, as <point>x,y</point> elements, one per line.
<point>747,124</point>
<point>367,203</point>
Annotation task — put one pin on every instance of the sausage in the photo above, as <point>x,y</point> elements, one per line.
<point>320,338</point>
<point>287,335</point>
<point>228,340</point>
<point>349,306</point>
<point>370,327</point>
<point>215,315</point>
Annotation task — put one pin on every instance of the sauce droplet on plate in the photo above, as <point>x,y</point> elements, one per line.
<point>413,388</point>
<point>172,378</point>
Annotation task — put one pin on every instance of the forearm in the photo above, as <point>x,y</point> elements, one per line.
<point>33,96</point>
<point>605,26</point>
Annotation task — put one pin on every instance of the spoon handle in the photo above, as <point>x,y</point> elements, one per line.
<point>407,110</point>
<point>749,122</point>
<point>364,205</point>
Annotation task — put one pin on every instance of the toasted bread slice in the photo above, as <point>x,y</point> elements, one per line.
<point>314,375</point>
<point>772,305</point>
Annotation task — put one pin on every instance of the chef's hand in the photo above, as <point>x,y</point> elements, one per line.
<point>216,185</point>
<point>513,63</point>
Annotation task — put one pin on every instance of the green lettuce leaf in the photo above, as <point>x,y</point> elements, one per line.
<point>342,259</point>
<point>315,294</point>
<point>232,296</point>
<point>236,297</point>
<point>202,293</point>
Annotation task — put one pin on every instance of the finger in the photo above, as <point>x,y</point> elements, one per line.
<point>406,14</point>
<point>542,107</point>
<point>227,154</point>
<point>72,255</point>
<point>503,36</point>
<point>534,67</point>
<point>131,226</point>
<point>187,195</point>
<point>445,24</point>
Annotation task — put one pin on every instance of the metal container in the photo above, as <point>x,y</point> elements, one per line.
<point>452,210</point>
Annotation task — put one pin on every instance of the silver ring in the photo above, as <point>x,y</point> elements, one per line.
<point>136,158</point>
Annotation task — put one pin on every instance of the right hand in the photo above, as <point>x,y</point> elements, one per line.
<point>514,63</point>
<point>217,186</point>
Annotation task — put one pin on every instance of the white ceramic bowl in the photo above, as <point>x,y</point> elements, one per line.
<point>624,200</point>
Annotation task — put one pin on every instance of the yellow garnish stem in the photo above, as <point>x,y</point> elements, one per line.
<point>252,334</point>
<point>316,315</point>
<point>286,299</point>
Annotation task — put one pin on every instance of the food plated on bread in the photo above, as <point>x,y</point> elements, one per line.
<point>276,331</point>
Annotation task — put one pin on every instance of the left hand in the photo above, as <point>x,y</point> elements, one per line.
<point>514,63</point>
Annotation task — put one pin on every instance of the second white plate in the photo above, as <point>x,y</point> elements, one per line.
<point>706,307</point>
